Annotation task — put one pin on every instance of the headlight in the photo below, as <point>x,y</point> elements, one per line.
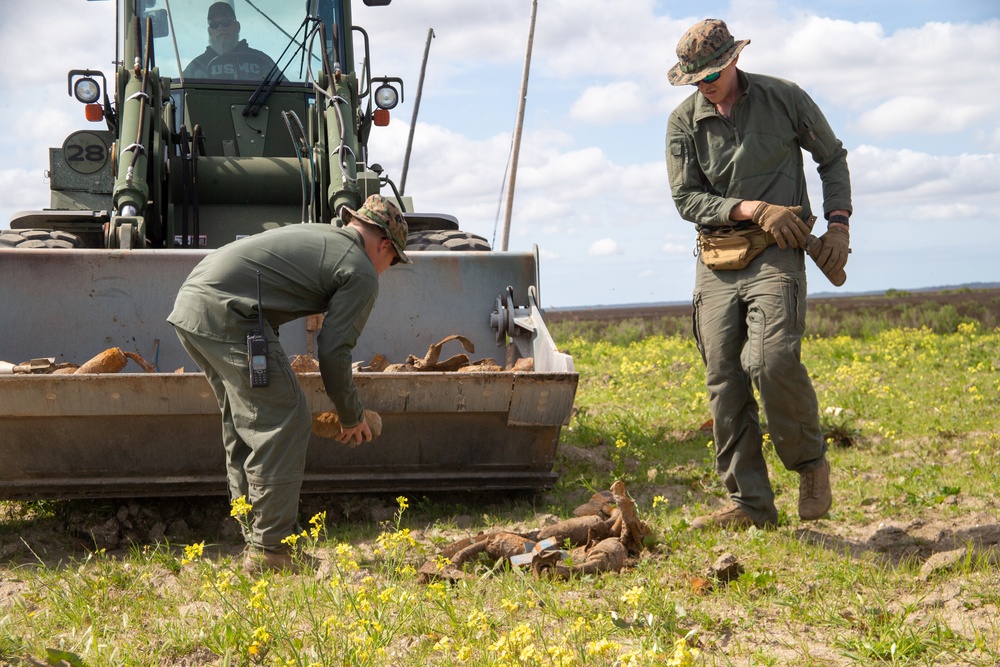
<point>87,90</point>
<point>386,97</point>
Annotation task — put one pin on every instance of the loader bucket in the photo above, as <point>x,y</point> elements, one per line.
<point>135,433</point>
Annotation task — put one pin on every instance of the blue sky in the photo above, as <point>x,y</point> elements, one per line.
<point>912,89</point>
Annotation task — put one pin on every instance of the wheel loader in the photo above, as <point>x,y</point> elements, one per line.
<point>195,143</point>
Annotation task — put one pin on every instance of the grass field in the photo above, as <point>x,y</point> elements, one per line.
<point>904,571</point>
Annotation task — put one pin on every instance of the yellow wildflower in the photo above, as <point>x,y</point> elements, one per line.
<point>683,655</point>
<point>602,647</point>
<point>193,552</point>
<point>443,645</point>
<point>632,596</point>
<point>318,521</point>
<point>240,507</point>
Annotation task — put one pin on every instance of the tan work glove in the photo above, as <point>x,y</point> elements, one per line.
<point>783,223</point>
<point>836,245</point>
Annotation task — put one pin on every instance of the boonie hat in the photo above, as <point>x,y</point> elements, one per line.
<point>379,211</point>
<point>221,10</point>
<point>707,47</point>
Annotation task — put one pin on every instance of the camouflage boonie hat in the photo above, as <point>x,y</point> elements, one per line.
<point>381,212</point>
<point>707,47</point>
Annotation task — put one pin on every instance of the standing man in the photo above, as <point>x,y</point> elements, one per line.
<point>734,157</point>
<point>303,269</point>
<point>242,62</point>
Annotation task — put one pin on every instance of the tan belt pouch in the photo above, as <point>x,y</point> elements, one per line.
<point>731,249</point>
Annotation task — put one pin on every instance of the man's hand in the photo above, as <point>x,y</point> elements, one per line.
<point>354,436</point>
<point>836,245</point>
<point>783,223</point>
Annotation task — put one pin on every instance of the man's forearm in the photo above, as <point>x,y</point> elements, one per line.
<point>744,210</point>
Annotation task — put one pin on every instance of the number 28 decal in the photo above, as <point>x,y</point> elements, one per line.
<point>85,152</point>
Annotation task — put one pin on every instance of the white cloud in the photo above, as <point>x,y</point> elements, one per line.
<point>909,178</point>
<point>22,189</point>
<point>908,113</point>
<point>954,211</point>
<point>906,81</point>
<point>672,248</point>
<point>611,103</point>
<point>604,248</point>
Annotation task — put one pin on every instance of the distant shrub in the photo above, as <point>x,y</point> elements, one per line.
<point>940,312</point>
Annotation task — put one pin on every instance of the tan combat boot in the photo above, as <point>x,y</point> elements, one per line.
<point>815,494</point>
<point>731,517</point>
<point>257,562</point>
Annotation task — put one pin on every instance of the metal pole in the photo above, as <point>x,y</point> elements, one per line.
<point>416,109</point>
<point>517,130</point>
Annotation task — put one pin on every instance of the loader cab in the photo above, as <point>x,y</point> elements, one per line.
<point>240,115</point>
<point>234,66</point>
<point>238,41</point>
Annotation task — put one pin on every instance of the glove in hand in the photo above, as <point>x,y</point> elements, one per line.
<point>783,223</point>
<point>836,245</point>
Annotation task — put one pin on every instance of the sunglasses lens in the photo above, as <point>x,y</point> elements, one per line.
<point>711,77</point>
<point>215,25</point>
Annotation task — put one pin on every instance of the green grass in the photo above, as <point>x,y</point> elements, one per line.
<point>912,419</point>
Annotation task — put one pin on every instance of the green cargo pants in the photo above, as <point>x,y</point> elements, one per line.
<point>265,431</point>
<point>748,325</point>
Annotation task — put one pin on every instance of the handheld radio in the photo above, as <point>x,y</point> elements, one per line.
<point>257,347</point>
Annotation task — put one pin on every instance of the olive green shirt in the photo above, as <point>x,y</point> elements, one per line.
<point>715,162</point>
<point>305,269</point>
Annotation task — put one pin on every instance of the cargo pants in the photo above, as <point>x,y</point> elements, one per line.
<point>265,431</point>
<point>748,325</point>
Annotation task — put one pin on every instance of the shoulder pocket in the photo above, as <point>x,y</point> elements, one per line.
<point>677,154</point>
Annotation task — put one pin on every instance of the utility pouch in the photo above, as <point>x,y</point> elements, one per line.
<point>732,249</point>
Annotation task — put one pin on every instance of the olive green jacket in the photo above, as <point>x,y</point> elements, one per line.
<point>305,269</point>
<point>714,163</point>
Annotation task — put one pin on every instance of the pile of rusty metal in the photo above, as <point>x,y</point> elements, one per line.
<point>604,533</point>
<point>110,360</point>
<point>458,363</point>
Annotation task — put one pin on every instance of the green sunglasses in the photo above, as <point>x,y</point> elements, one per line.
<point>714,76</point>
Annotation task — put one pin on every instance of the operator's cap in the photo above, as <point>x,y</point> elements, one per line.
<point>379,211</point>
<point>706,48</point>
<point>221,10</point>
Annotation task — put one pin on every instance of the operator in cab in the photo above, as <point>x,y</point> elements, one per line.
<point>227,56</point>
<point>261,282</point>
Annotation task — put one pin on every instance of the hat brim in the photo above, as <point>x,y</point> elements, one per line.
<point>677,77</point>
<point>346,213</point>
<point>402,255</point>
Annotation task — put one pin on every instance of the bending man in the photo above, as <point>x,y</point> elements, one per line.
<point>304,269</point>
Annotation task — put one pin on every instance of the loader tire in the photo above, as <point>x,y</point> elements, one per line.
<point>444,240</point>
<point>23,239</point>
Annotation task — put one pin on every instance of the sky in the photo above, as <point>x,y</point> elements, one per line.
<point>911,88</point>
